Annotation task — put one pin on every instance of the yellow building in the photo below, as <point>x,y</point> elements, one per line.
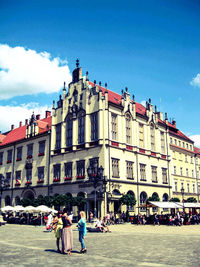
<point>141,152</point>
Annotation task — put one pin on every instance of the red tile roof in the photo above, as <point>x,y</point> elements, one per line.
<point>20,133</point>
<point>196,150</point>
<point>2,136</point>
<point>140,109</point>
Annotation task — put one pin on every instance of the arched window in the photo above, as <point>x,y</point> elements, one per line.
<point>81,127</point>
<point>165,197</point>
<point>7,201</point>
<point>143,197</point>
<point>69,131</point>
<point>131,193</point>
<point>128,129</point>
<point>116,192</point>
<point>155,195</point>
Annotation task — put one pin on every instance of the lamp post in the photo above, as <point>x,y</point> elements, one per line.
<point>2,186</point>
<point>182,192</point>
<point>95,175</point>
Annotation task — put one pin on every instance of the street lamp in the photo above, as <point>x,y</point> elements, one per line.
<point>182,192</point>
<point>95,175</point>
<point>2,186</point>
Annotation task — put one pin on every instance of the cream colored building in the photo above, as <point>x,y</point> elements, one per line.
<point>135,145</point>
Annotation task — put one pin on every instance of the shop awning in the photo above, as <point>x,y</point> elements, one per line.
<point>189,205</point>
<point>161,204</point>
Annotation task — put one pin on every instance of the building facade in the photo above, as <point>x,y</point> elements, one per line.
<point>141,152</point>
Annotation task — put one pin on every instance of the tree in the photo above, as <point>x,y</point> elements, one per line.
<point>26,202</point>
<point>78,201</point>
<point>191,199</point>
<point>153,198</point>
<point>174,199</point>
<point>128,200</point>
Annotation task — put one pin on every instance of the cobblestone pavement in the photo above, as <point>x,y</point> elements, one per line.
<point>126,245</point>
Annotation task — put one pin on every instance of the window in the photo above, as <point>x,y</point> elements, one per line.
<point>188,188</point>
<point>81,128</point>
<point>30,150</point>
<point>190,147</point>
<point>115,167</point>
<point>56,171</point>
<point>164,175</point>
<point>175,186</point>
<point>129,170</point>
<point>8,178</point>
<point>174,169</point>
<point>9,156</point>
<point>191,160</point>
<point>192,173</point>
<point>152,130</point>
<point>187,173</point>
<point>170,140</point>
<point>175,141</point>
<point>18,175</point>
<point>179,143</point>
<point>154,174</point>
<point>58,136</point>
<point>187,146</point>
<point>197,174</point>
<point>80,165</point>
<point>183,144</point>
<point>141,135</point>
<point>28,175</point>
<point>40,173</point>
<point>94,163</point>
<point>114,126</point>
<point>68,170</point>
<point>181,171</point>
<point>193,188</point>
<point>41,148</point>
<point>128,129</point>
<point>94,126</point>
<point>182,186</point>
<point>186,158</point>
<point>1,158</point>
<point>69,131</point>
<point>162,141</point>
<point>180,156</point>
<point>143,198</point>
<point>142,172</point>
<point>19,153</point>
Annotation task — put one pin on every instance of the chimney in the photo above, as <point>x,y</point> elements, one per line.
<point>26,121</point>
<point>47,114</point>
<point>12,127</point>
<point>20,124</point>
<point>174,123</point>
<point>38,117</point>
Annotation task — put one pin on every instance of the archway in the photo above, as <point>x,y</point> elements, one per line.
<point>165,197</point>
<point>17,200</point>
<point>29,194</point>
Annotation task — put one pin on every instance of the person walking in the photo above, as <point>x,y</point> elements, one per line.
<point>57,227</point>
<point>49,222</point>
<point>82,231</point>
<point>67,234</point>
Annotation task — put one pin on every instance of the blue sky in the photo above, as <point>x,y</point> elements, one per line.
<point>152,47</point>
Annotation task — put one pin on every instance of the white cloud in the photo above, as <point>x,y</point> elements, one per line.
<point>25,72</point>
<point>196,139</point>
<point>14,114</point>
<point>196,81</point>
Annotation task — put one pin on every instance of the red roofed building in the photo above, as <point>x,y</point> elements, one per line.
<point>99,141</point>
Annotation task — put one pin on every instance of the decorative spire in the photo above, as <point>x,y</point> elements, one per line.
<point>126,88</point>
<point>133,97</point>
<point>166,116</point>
<point>122,91</point>
<point>100,83</point>
<point>94,82</point>
<point>87,79</point>
<point>53,103</point>
<point>77,63</point>
<point>155,109</point>
<point>106,86</point>
<point>149,100</point>
<point>64,87</point>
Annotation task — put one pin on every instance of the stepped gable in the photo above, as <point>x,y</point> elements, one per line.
<point>18,134</point>
<point>117,99</point>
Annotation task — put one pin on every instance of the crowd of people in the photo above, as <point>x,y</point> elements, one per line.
<point>177,219</point>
